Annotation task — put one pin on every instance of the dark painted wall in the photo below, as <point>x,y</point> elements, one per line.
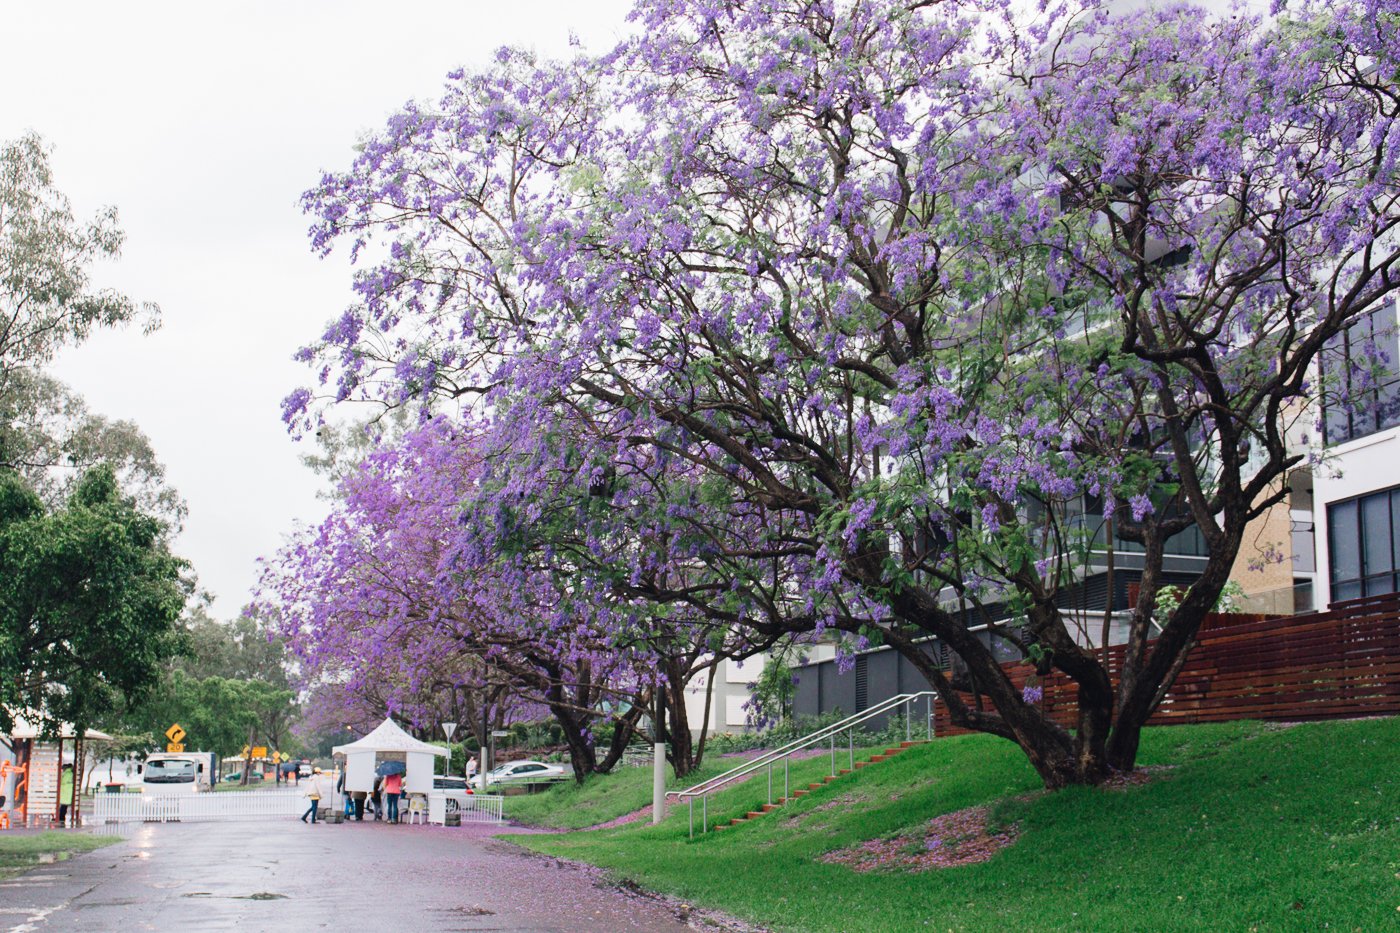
<point>821,688</point>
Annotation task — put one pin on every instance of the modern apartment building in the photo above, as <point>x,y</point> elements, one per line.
<point>1356,486</point>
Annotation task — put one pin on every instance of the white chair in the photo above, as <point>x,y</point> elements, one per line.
<point>418,806</point>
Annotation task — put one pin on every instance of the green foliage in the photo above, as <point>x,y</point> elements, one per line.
<point>48,436</point>
<point>457,760</point>
<point>779,734</point>
<point>228,678</point>
<point>89,600</point>
<point>770,700</point>
<point>1254,826</point>
<point>242,648</point>
<point>46,296</point>
<point>216,712</point>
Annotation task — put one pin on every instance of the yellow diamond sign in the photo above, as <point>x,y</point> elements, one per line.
<point>175,733</point>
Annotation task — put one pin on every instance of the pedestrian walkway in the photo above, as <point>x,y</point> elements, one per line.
<point>358,876</point>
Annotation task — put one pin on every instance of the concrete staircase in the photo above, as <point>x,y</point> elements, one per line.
<point>767,808</point>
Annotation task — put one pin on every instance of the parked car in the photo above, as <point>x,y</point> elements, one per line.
<point>237,776</point>
<point>453,784</point>
<point>450,782</point>
<point>304,769</point>
<point>526,772</point>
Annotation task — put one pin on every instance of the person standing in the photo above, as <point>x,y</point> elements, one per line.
<point>314,792</point>
<point>340,789</point>
<point>393,789</point>
<point>471,769</point>
<point>65,794</point>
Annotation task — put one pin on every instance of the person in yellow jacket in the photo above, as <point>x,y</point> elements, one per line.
<point>65,794</point>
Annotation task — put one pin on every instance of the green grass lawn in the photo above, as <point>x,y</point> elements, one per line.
<point>626,790</point>
<point>21,852</point>
<point>1255,827</point>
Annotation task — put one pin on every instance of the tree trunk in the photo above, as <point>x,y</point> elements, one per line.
<point>712,670</point>
<point>624,728</point>
<point>582,755</point>
<point>680,750</point>
<point>248,759</point>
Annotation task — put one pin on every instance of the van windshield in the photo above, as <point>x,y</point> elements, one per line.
<point>170,771</point>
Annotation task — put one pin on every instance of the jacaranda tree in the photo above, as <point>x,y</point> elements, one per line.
<point>857,311</point>
<point>389,600</point>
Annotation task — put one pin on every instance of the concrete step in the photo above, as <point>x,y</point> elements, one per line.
<point>814,786</point>
<point>828,779</point>
<point>753,814</point>
<point>737,820</point>
<point>843,771</point>
<point>875,759</point>
<point>891,752</point>
<point>861,764</point>
<point>770,807</point>
<point>800,793</point>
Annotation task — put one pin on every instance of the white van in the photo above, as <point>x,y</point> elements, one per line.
<point>177,772</point>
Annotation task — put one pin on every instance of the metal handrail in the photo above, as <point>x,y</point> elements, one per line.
<point>784,753</point>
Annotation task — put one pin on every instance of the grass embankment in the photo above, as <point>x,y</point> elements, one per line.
<point>627,790</point>
<point>1255,827</point>
<point>21,852</point>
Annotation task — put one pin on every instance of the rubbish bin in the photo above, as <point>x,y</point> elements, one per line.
<point>112,788</point>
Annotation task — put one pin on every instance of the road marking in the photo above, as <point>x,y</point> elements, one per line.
<point>40,915</point>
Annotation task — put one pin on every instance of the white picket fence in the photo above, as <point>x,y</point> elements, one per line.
<point>255,805</point>
<point>187,808</point>
<point>480,808</point>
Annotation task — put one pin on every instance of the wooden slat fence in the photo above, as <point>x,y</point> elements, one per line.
<point>1338,664</point>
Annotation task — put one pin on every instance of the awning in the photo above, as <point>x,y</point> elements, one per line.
<point>24,729</point>
<point>388,737</point>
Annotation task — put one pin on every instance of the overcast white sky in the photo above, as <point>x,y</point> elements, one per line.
<point>203,124</point>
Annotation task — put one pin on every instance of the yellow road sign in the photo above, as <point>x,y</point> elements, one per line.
<point>175,747</point>
<point>260,751</point>
<point>175,733</point>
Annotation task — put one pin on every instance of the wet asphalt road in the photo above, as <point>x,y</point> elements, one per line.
<point>284,875</point>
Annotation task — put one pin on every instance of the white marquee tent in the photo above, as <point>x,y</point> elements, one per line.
<point>389,740</point>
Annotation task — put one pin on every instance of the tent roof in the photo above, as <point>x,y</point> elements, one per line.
<point>24,729</point>
<point>388,737</point>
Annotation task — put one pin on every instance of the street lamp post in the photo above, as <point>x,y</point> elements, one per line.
<point>658,762</point>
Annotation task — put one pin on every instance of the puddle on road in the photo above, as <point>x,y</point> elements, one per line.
<point>260,896</point>
<point>472,911</point>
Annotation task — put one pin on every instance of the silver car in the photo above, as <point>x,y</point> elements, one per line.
<point>526,772</point>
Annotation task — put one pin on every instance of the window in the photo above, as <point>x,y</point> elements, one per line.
<point>1361,378</point>
<point>1086,515</point>
<point>1363,538</point>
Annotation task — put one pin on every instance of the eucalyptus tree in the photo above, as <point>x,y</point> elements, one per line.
<point>47,298</point>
